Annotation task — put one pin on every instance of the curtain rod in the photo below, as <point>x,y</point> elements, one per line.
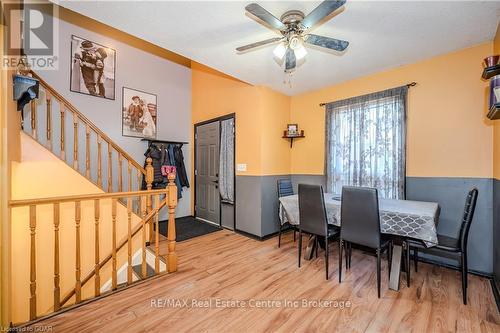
<point>411,84</point>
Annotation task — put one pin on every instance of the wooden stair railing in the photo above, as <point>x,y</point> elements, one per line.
<point>147,218</point>
<point>114,156</point>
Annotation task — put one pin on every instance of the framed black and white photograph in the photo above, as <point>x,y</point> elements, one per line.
<point>139,113</point>
<point>92,68</point>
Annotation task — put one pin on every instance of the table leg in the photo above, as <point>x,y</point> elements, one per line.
<point>395,267</point>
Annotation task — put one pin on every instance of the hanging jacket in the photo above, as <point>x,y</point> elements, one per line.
<point>171,157</point>
<point>181,168</point>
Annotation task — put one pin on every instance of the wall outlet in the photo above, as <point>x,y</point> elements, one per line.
<point>241,167</point>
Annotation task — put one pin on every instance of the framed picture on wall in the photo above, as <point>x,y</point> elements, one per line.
<point>92,68</point>
<point>139,113</point>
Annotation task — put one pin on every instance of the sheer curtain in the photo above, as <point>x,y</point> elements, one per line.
<point>226,164</point>
<point>366,142</point>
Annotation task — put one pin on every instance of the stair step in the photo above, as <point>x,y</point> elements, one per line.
<point>150,271</point>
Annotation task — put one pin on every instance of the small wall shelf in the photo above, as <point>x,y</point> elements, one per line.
<point>291,137</point>
<point>491,71</point>
<point>494,113</point>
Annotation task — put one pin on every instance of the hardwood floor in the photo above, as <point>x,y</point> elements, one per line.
<point>227,266</point>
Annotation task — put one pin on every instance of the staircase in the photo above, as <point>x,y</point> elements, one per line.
<point>120,218</point>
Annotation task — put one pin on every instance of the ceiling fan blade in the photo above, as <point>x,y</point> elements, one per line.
<point>257,44</point>
<point>327,42</point>
<point>291,61</point>
<point>319,13</point>
<point>265,16</point>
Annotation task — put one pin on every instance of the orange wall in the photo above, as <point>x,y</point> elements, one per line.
<point>261,117</point>
<point>448,134</point>
<point>496,127</point>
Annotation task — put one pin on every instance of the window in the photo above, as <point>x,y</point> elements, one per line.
<point>366,142</point>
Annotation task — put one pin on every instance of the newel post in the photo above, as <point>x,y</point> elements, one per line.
<point>172,203</point>
<point>150,175</point>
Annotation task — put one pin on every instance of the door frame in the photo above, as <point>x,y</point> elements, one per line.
<point>219,119</point>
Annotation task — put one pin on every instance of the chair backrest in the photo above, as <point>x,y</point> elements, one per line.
<point>285,188</point>
<point>470,207</point>
<point>312,212</point>
<point>360,219</point>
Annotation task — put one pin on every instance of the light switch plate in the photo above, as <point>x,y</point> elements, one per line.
<point>241,167</point>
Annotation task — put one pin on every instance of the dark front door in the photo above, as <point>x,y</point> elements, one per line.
<point>207,172</point>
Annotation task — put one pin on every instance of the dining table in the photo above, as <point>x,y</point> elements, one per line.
<point>400,218</point>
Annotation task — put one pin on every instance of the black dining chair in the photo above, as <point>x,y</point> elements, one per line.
<point>448,245</point>
<point>313,218</point>
<point>285,189</point>
<point>360,224</point>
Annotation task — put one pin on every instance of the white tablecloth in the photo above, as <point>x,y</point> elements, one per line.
<point>413,219</point>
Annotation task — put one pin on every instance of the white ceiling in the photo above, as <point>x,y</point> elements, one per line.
<point>382,34</point>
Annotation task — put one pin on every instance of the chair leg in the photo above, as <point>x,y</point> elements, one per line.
<point>378,273</point>
<point>279,235</point>
<point>316,245</point>
<point>350,254</point>
<point>326,256</point>
<point>300,245</point>
<point>466,267</point>
<point>341,245</point>
<point>389,258</point>
<point>408,265</point>
<point>415,258</point>
<point>464,278</point>
<point>346,246</point>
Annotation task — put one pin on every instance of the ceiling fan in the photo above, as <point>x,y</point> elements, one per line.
<point>293,26</point>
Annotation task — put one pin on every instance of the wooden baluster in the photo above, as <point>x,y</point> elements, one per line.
<point>110,168</point>
<point>78,284</point>
<point>75,141</point>
<point>49,121</point>
<point>87,151</point>
<point>157,236</point>
<point>129,239</point>
<point>120,173</point>
<point>149,185</point>
<point>57,290</point>
<point>33,120</point>
<point>139,187</point>
<point>32,262</point>
<point>99,161</point>
<point>113,253</point>
<point>97,277</point>
<point>172,203</point>
<point>143,264</point>
<point>129,172</point>
<point>63,125</point>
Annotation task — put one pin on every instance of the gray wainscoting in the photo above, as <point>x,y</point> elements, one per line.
<point>257,210</point>
<point>257,204</point>
<point>450,193</point>
<point>496,231</point>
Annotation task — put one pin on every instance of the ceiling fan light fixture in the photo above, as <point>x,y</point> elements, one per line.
<point>279,53</point>
<point>300,52</point>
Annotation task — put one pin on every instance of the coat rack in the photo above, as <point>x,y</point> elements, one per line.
<point>150,141</point>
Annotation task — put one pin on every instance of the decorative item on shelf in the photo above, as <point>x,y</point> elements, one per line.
<point>491,60</point>
<point>492,68</point>
<point>292,132</point>
<point>292,129</point>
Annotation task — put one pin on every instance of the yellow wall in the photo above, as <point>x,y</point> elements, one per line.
<point>40,174</point>
<point>496,127</point>
<point>261,117</point>
<point>448,134</point>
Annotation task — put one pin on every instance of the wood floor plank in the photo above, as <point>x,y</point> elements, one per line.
<point>228,266</point>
